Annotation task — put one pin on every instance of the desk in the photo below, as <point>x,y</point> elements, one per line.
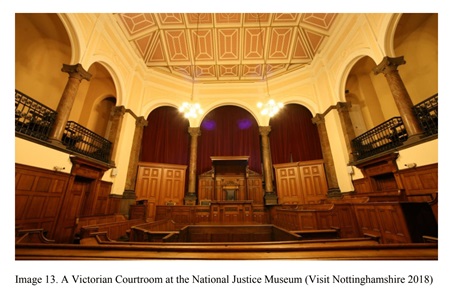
<point>231,211</point>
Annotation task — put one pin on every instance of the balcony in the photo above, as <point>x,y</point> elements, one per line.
<point>386,136</point>
<point>32,118</point>
<point>34,121</point>
<point>427,114</point>
<point>391,134</point>
<point>83,141</point>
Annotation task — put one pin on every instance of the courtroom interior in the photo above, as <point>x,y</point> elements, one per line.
<point>226,136</point>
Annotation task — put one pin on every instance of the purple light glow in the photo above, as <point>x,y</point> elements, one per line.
<point>208,124</point>
<point>244,124</point>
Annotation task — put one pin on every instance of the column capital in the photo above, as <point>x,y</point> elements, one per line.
<point>118,111</point>
<point>318,119</point>
<point>264,130</point>
<point>343,106</point>
<point>141,122</point>
<point>194,131</point>
<point>388,65</point>
<point>76,71</point>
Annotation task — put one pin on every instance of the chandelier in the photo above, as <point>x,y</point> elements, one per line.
<point>271,107</point>
<point>191,109</point>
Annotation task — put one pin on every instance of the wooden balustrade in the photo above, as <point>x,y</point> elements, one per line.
<point>341,249</point>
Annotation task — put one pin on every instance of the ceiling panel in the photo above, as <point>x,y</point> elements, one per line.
<point>226,46</point>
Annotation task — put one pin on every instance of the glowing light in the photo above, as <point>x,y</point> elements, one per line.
<point>191,110</point>
<point>271,108</point>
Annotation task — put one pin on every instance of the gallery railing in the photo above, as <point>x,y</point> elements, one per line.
<point>427,114</point>
<point>83,141</point>
<point>34,119</point>
<point>392,133</point>
<point>384,137</point>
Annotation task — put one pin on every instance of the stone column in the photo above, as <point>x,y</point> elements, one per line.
<point>403,102</point>
<point>76,75</point>
<point>270,197</point>
<point>191,194</point>
<point>116,118</point>
<point>347,127</point>
<point>333,185</point>
<point>129,196</point>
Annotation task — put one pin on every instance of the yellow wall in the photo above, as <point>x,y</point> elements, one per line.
<point>317,87</point>
<point>36,155</point>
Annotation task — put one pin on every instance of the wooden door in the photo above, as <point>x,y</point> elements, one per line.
<point>148,183</point>
<point>173,185</point>
<point>160,183</point>
<point>288,184</point>
<point>77,196</point>
<point>313,181</point>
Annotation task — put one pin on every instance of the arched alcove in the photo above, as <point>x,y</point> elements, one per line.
<point>293,136</point>
<point>95,100</point>
<point>416,38</point>
<point>42,46</point>
<point>165,138</point>
<point>229,131</point>
<point>361,92</point>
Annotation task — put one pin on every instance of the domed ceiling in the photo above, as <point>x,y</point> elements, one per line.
<point>226,47</point>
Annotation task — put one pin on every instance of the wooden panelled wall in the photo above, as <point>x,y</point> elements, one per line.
<point>382,178</point>
<point>301,182</point>
<point>216,213</point>
<point>250,187</point>
<point>161,183</point>
<point>54,201</point>
<point>391,222</point>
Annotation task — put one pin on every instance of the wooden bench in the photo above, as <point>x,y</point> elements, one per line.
<point>32,236</point>
<point>153,231</point>
<point>97,219</point>
<point>117,230</point>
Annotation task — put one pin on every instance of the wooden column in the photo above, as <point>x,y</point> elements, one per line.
<point>333,186</point>
<point>403,102</point>
<point>129,195</point>
<point>191,194</point>
<point>76,75</point>
<point>270,197</point>
<point>347,127</point>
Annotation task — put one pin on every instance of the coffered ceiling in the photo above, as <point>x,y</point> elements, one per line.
<point>213,47</point>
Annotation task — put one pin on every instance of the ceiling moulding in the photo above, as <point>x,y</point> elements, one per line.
<point>226,46</point>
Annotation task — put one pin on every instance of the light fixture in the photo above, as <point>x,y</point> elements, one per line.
<point>271,107</point>
<point>191,109</point>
